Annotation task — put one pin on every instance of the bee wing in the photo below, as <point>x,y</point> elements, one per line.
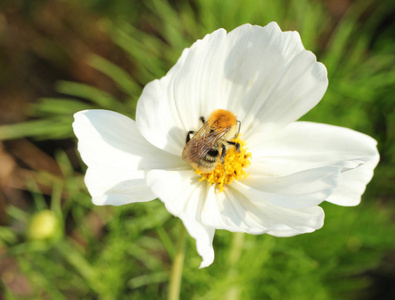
<point>202,142</point>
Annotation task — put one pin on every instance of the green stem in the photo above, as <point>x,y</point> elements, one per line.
<point>234,257</point>
<point>178,262</point>
<point>237,248</point>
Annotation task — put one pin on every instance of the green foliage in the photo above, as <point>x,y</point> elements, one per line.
<point>126,252</point>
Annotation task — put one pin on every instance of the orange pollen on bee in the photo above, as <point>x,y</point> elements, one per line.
<point>233,168</point>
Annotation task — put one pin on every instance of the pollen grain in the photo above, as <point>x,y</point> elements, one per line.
<point>234,167</point>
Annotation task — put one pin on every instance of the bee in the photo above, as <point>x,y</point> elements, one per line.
<point>209,144</point>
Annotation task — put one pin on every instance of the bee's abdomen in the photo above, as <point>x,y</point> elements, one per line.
<point>209,161</point>
<point>212,155</point>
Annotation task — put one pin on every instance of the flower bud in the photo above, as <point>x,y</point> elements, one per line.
<point>44,226</point>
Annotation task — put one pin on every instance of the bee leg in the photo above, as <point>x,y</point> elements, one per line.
<point>189,135</point>
<point>237,146</point>
<point>202,119</point>
<point>222,158</point>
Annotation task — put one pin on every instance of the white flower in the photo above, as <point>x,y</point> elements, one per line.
<point>268,80</point>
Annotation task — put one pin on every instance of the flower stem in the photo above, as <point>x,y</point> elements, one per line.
<point>234,257</point>
<point>178,262</point>
<point>237,247</point>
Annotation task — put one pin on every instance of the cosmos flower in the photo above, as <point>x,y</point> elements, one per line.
<point>283,170</point>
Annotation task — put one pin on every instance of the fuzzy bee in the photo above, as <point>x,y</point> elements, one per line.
<point>207,147</point>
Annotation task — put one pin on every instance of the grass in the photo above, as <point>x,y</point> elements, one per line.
<point>126,252</point>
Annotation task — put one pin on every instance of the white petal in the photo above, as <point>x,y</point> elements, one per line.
<point>116,154</point>
<point>261,74</point>
<point>271,77</point>
<point>168,108</point>
<point>243,209</point>
<point>204,236</point>
<point>116,186</point>
<point>304,145</point>
<point>353,184</point>
<point>298,190</point>
<point>184,196</point>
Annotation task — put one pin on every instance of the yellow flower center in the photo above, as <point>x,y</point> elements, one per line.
<point>233,168</point>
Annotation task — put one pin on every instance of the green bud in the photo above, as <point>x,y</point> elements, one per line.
<point>44,226</point>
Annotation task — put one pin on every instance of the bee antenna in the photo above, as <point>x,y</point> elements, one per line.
<point>238,127</point>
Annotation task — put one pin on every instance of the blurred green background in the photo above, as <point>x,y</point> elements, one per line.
<point>61,56</point>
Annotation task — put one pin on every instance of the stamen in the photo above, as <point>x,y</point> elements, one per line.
<point>233,168</point>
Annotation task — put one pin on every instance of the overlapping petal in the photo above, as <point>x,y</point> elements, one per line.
<point>262,74</point>
<point>299,190</point>
<point>117,156</point>
<point>243,209</point>
<point>305,146</point>
<point>352,184</point>
<point>184,196</point>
